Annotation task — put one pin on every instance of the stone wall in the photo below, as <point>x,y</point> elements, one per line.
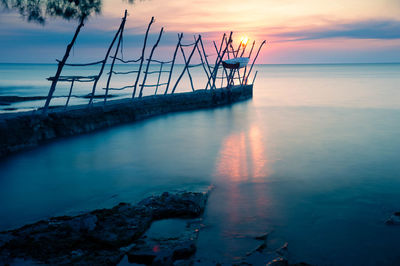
<point>24,130</point>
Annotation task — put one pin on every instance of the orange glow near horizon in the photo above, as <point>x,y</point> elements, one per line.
<point>294,29</point>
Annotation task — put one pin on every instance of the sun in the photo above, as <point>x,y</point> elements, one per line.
<point>244,40</point>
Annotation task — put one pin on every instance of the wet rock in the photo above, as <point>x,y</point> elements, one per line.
<point>283,251</point>
<point>102,237</point>
<point>262,237</point>
<point>278,262</point>
<point>394,219</point>
<point>185,251</point>
<point>177,250</point>
<point>83,223</point>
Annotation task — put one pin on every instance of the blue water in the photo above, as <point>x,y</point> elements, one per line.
<point>312,158</point>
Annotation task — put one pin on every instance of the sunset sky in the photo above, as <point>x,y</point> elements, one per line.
<point>297,31</point>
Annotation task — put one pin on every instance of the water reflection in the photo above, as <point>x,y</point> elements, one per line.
<point>243,157</point>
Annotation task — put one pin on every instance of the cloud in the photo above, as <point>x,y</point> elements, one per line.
<point>370,29</point>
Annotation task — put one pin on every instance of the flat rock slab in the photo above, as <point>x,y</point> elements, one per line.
<point>103,237</point>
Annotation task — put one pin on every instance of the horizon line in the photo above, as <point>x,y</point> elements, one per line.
<point>327,63</point>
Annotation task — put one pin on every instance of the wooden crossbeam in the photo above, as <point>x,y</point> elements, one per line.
<point>126,61</point>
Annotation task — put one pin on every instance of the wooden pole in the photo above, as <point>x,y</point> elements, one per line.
<point>255,58</point>
<point>159,77</point>
<point>115,56</point>
<point>61,65</point>
<point>205,55</point>
<point>202,61</point>
<point>104,62</point>
<point>180,36</point>
<point>254,79</point>
<point>184,59</point>
<point>220,57</point>
<point>222,79</point>
<point>149,61</point>
<point>70,92</point>
<point>186,66</point>
<point>142,58</point>
<point>244,81</point>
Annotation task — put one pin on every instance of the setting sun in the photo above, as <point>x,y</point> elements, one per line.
<point>244,40</point>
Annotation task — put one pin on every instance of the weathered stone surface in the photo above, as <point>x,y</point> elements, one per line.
<point>262,255</point>
<point>278,262</point>
<point>165,250</point>
<point>394,219</point>
<point>102,237</point>
<point>23,130</point>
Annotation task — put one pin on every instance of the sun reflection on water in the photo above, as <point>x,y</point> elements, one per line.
<point>243,157</point>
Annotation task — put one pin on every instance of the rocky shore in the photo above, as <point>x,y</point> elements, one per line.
<point>104,237</point>
<point>120,236</point>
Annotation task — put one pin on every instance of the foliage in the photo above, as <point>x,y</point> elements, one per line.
<point>39,10</point>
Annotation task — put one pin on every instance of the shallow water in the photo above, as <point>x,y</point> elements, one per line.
<point>312,158</point>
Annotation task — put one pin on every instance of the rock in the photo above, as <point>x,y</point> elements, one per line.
<point>394,219</point>
<point>104,236</point>
<point>262,237</point>
<point>283,251</point>
<point>184,251</point>
<point>278,262</point>
<point>83,223</point>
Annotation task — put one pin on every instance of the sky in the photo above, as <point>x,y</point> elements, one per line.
<point>296,31</point>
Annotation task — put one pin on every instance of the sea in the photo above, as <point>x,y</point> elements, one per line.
<point>313,159</point>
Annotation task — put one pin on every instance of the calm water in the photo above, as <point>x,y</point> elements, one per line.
<point>313,157</point>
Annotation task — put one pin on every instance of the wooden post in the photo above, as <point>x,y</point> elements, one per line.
<point>218,55</point>
<point>219,60</point>
<point>238,70</point>
<point>244,49</point>
<point>159,76</point>
<point>142,58</point>
<point>184,59</point>
<point>115,56</point>
<point>149,61</point>
<point>70,92</point>
<point>222,79</point>
<point>205,55</point>
<point>255,75</point>
<point>173,62</point>
<point>244,81</point>
<point>186,66</point>
<point>105,61</point>
<point>255,58</point>
<point>202,61</point>
<point>61,65</point>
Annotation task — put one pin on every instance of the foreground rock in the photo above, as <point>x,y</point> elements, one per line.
<point>263,255</point>
<point>103,237</point>
<point>394,219</point>
<point>167,250</point>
